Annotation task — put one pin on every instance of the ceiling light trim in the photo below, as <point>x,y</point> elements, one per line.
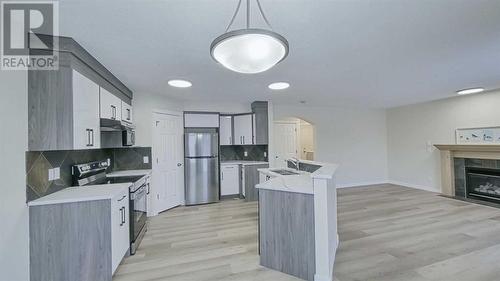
<point>470,91</point>
<point>231,34</point>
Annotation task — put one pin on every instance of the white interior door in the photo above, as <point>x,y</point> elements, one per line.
<point>285,142</point>
<point>168,168</point>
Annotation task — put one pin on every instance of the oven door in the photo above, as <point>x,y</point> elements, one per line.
<point>138,212</point>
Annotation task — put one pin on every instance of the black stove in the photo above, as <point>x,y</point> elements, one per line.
<point>94,173</point>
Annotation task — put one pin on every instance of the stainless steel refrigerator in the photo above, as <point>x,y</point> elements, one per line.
<point>201,149</point>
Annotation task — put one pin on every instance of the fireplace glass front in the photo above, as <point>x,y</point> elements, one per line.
<point>483,184</point>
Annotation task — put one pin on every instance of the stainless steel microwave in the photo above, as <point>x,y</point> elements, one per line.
<point>128,138</point>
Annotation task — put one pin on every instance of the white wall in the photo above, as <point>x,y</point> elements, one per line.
<point>14,236</point>
<point>144,104</point>
<point>222,107</point>
<point>355,138</point>
<point>411,127</point>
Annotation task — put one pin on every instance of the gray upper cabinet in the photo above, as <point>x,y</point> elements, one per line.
<point>261,125</point>
<point>63,104</point>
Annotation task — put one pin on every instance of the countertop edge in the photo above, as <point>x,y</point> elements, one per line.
<point>108,192</point>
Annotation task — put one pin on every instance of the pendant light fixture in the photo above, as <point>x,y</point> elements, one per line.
<point>249,50</point>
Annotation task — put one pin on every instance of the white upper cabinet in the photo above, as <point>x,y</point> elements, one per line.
<point>86,124</point>
<point>226,130</point>
<point>201,120</point>
<point>111,106</point>
<point>243,132</point>
<point>127,114</point>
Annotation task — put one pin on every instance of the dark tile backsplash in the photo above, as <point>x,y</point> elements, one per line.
<point>39,162</point>
<point>237,152</point>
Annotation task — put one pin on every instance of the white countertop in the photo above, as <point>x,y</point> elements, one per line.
<point>242,162</point>
<point>129,173</point>
<point>301,183</point>
<point>82,193</point>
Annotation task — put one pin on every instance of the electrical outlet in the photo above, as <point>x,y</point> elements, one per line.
<point>57,173</point>
<point>245,153</point>
<point>145,159</point>
<point>51,174</point>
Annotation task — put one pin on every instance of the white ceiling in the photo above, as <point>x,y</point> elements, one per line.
<point>375,53</point>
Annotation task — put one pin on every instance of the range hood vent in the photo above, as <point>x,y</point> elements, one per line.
<point>111,125</point>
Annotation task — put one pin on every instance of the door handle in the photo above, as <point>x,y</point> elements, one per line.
<point>179,164</point>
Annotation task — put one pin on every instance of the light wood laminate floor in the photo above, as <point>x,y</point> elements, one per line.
<point>387,232</point>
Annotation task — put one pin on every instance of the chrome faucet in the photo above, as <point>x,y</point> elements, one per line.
<point>295,161</point>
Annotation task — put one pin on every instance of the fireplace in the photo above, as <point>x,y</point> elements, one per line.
<point>483,183</point>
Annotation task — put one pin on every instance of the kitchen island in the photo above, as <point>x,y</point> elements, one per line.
<point>298,222</point>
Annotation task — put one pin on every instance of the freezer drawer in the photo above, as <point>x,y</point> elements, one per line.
<point>201,144</point>
<point>202,180</point>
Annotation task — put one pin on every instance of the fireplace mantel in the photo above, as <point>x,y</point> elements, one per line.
<point>451,151</point>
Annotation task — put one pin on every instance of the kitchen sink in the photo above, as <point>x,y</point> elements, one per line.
<point>284,172</point>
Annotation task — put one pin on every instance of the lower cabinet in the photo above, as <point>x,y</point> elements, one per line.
<point>120,228</point>
<point>230,180</point>
<point>250,178</point>
<point>78,241</point>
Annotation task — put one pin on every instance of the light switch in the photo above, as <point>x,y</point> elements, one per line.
<point>428,146</point>
<point>145,159</point>
<point>245,154</point>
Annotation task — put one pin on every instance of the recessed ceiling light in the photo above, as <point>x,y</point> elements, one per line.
<point>470,91</point>
<point>278,86</point>
<point>180,83</point>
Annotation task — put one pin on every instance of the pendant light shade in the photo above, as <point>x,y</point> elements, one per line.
<point>249,50</point>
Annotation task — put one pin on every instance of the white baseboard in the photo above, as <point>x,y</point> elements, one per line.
<point>416,186</point>
<point>361,184</point>
<point>374,183</point>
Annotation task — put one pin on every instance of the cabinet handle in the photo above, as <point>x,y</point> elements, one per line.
<point>121,216</point>
<point>243,140</point>
<point>124,216</point>
<point>128,114</point>
<point>147,193</point>
<point>222,176</point>
<point>88,137</point>
<point>122,198</point>
<point>92,138</point>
